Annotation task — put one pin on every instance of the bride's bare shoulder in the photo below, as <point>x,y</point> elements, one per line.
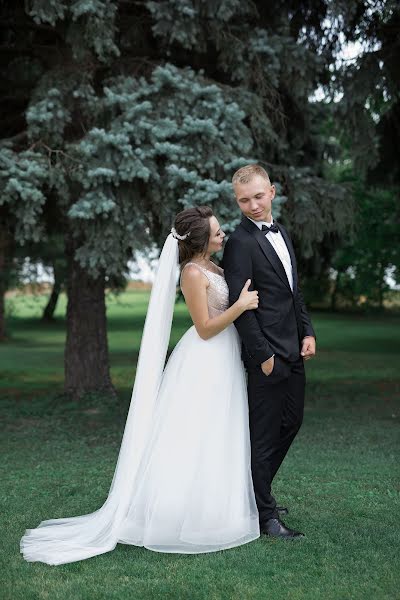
<point>192,274</point>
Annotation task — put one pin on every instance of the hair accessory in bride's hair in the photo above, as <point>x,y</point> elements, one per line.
<point>176,235</point>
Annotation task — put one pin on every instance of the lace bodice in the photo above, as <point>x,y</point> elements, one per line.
<point>217,291</point>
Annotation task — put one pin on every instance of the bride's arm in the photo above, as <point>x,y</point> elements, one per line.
<point>194,286</point>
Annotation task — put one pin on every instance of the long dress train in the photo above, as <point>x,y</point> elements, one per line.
<point>189,489</point>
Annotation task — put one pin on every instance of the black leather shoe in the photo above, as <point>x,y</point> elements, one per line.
<point>282,510</point>
<point>276,528</point>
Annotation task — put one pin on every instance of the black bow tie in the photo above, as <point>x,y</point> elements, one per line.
<point>274,228</point>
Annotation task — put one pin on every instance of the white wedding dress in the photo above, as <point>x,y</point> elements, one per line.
<point>187,485</point>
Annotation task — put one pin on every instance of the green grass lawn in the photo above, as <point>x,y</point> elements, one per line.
<point>340,479</point>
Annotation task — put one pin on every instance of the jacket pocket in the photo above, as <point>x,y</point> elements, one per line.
<point>280,371</point>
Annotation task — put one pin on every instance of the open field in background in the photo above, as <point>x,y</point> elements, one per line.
<point>340,479</point>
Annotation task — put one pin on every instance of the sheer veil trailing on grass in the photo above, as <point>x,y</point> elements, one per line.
<point>183,477</point>
<point>59,541</point>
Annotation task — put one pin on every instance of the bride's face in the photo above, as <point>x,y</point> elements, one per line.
<point>216,236</point>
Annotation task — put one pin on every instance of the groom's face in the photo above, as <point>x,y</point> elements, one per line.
<point>255,198</point>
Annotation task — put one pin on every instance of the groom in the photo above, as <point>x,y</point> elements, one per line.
<point>276,337</point>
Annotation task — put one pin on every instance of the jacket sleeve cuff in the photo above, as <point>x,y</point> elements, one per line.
<point>308,332</point>
<point>262,356</point>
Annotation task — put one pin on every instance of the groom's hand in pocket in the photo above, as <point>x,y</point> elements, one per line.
<point>267,366</point>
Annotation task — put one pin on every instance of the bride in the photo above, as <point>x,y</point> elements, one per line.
<point>183,478</point>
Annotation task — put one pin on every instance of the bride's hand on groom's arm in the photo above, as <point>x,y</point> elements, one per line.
<point>194,286</point>
<point>248,300</point>
<point>308,347</point>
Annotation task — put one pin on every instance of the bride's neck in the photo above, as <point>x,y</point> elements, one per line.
<point>202,259</point>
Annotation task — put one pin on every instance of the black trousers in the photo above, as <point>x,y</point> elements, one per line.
<point>276,406</point>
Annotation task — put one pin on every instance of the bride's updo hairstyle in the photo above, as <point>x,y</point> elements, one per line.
<point>196,222</point>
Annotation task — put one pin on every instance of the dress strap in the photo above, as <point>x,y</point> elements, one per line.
<point>202,269</point>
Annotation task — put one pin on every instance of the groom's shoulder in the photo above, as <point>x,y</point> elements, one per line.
<point>240,233</point>
<point>239,243</point>
<point>236,233</point>
<point>239,237</point>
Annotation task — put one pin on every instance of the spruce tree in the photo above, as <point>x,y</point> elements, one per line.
<point>128,112</point>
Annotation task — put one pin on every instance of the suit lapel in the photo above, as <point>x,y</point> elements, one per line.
<point>268,249</point>
<point>272,256</point>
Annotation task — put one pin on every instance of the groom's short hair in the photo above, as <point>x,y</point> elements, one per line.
<point>246,174</point>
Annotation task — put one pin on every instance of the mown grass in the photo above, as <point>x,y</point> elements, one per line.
<point>340,479</point>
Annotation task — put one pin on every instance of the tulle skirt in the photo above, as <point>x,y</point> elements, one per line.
<point>193,492</point>
<point>196,493</point>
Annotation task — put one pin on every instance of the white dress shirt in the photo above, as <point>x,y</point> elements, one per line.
<point>278,243</point>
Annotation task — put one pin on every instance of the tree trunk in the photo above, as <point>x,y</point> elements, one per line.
<point>335,292</point>
<point>381,297</point>
<point>48,313</point>
<point>86,351</point>
<point>2,310</point>
<point>381,286</point>
<point>6,251</point>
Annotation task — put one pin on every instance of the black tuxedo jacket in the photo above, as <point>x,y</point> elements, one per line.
<point>281,320</point>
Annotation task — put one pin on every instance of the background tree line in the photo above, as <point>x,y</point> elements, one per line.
<point>118,114</point>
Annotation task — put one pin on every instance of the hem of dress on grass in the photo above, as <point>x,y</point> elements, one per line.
<point>186,550</point>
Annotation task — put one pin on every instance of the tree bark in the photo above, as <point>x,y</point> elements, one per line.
<point>2,309</point>
<point>48,313</point>
<point>86,358</point>
<point>381,285</point>
<point>6,252</point>
<point>335,290</point>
